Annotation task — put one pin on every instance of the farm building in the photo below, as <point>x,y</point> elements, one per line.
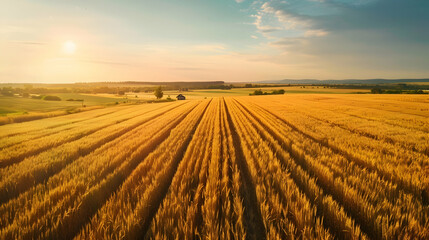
<point>180,97</point>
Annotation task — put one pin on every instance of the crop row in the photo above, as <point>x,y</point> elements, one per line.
<point>402,166</point>
<point>32,146</point>
<point>38,168</point>
<point>62,205</point>
<point>233,168</point>
<point>129,211</point>
<point>379,206</point>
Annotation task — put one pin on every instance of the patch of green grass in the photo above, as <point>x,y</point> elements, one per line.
<point>89,100</point>
<point>4,111</point>
<point>17,105</point>
<point>195,94</point>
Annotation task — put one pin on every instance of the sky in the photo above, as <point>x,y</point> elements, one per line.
<point>65,41</point>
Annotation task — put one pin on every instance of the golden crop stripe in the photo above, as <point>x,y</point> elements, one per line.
<point>97,156</point>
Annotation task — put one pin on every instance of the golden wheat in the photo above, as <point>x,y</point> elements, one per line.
<point>266,167</point>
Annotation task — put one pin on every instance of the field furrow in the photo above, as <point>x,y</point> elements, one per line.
<point>234,223</point>
<point>48,123</point>
<point>70,124</point>
<point>396,136</point>
<point>377,115</point>
<point>357,198</point>
<point>254,167</point>
<point>252,212</point>
<point>76,191</point>
<point>129,212</point>
<point>39,168</point>
<point>283,216</point>
<point>390,104</point>
<point>408,170</point>
<point>177,215</point>
<point>15,153</point>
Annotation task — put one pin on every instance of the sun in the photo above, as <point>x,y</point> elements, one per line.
<point>69,47</point>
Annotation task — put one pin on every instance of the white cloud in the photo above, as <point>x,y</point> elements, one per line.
<point>290,21</point>
<point>277,20</point>
<point>315,33</point>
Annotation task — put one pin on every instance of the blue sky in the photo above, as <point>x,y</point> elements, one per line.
<point>201,40</point>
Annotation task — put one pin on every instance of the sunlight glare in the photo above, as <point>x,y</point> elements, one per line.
<point>69,47</point>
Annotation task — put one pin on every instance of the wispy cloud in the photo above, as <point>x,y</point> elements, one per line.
<point>254,39</point>
<point>28,42</point>
<point>283,18</point>
<point>392,20</point>
<point>105,62</point>
<point>188,69</point>
<point>320,17</point>
<point>316,33</point>
<point>359,36</point>
<point>94,61</point>
<point>210,47</point>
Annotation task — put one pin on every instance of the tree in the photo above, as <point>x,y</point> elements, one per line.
<point>51,98</point>
<point>280,91</point>
<point>257,92</point>
<point>158,93</point>
<point>376,91</point>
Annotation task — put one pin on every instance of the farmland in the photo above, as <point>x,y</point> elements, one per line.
<point>301,166</point>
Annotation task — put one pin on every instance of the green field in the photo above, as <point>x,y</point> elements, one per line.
<point>208,93</point>
<point>18,105</point>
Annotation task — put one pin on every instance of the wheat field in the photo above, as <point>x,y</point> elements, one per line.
<point>265,167</point>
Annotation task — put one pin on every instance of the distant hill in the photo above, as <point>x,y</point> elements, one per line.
<point>345,81</point>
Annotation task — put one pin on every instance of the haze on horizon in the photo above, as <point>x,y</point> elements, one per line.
<point>201,40</point>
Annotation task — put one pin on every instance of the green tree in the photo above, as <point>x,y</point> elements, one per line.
<point>377,91</point>
<point>51,98</point>
<point>158,92</point>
